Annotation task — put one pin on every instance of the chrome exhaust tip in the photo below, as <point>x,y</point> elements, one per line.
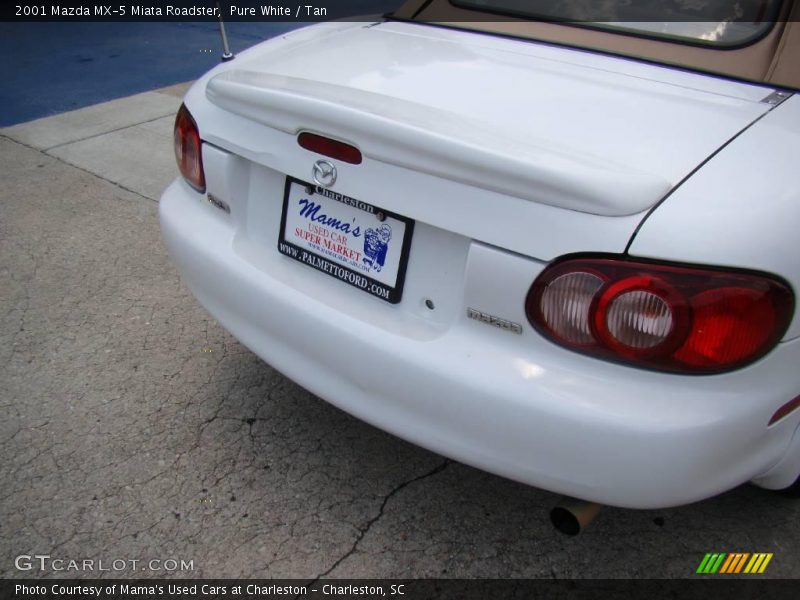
<point>571,516</point>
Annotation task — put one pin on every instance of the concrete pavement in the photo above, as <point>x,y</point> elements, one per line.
<point>135,428</point>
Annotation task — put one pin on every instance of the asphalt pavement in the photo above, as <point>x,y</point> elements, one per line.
<point>49,68</point>
<point>135,428</point>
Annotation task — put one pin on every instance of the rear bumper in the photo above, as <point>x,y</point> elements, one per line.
<point>513,405</point>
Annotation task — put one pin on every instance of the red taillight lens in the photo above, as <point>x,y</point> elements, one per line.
<point>188,149</point>
<point>668,317</point>
<point>331,148</point>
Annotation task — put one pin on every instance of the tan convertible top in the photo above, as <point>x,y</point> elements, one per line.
<point>773,59</point>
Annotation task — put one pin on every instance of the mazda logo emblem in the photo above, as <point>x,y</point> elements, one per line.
<point>324,173</point>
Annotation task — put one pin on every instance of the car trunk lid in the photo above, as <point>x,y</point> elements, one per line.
<point>570,129</point>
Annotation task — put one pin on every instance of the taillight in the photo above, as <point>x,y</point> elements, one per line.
<point>187,149</point>
<point>668,317</point>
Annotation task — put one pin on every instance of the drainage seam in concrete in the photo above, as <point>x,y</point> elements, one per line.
<point>91,137</point>
<point>74,166</point>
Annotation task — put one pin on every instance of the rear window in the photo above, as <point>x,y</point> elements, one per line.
<point>712,22</point>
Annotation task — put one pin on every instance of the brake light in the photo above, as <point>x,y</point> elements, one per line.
<point>329,147</point>
<point>667,317</point>
<point>188,149</point>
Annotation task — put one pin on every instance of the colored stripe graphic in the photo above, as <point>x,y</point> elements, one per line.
<point>703,564</point>
<point>733,563</point>
<point>741,562</point>
<point>732,558</point>
<point>711,563</point>
<point>758,563</point>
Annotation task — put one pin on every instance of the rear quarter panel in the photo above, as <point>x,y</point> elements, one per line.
<point>739,209</point>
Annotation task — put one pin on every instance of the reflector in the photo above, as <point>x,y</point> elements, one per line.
<point>784,410</point>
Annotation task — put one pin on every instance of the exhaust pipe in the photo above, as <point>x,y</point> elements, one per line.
<point>571,516</point>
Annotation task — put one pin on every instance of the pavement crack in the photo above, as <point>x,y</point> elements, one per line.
<point>102,133</point>
<point>366,528</point>
<point>74,166</point>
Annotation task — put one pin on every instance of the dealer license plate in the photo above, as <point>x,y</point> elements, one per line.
<point>355,242</point>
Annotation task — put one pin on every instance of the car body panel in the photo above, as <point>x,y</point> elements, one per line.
<point>424,99</point>
<point>515,405</point>
<point>747,223</point>
<point>502,399</point>
<point>784,473</point>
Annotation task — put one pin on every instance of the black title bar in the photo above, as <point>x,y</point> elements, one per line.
<point>728,12</point>
<point>197,10</point>
<point>397,589</point>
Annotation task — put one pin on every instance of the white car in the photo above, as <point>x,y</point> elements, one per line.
<point>514,243</point>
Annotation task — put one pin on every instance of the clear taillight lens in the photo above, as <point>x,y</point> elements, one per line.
<point>565,304</point>
<point>639,319</point>
<point>188,149</point>
<point>668,317</point>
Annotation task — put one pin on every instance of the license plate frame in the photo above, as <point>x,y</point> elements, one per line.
<point>350,240</point>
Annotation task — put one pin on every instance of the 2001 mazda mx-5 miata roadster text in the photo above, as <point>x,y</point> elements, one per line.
<point>563,252</point>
